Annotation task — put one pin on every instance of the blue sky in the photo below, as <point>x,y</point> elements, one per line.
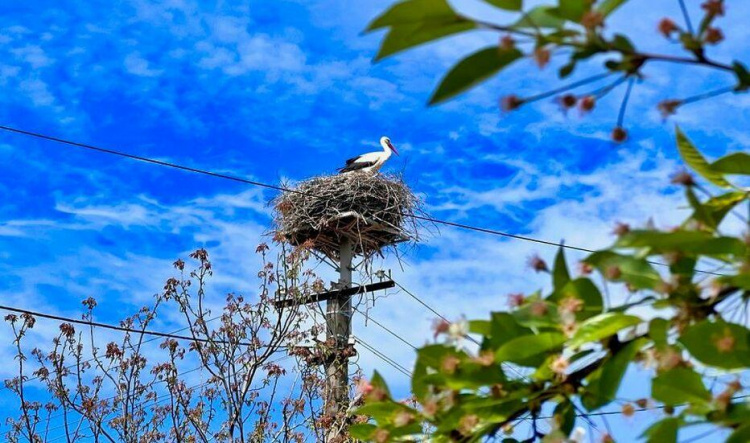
<point>286,90</point>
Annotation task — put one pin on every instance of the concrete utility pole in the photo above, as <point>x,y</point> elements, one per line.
<point>338,331</point>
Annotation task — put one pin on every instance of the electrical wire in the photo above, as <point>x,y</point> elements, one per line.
<point>119,328</point>
<point>384,357</point>
<point>467,336</point>
<point>285,189</point>
<point>403,340</point>
<point>423,303</point>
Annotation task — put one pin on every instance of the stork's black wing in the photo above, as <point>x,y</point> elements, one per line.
<point>355,166</point>
<point>352,160</point>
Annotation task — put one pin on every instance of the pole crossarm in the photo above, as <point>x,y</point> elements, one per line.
<point>345,292</point>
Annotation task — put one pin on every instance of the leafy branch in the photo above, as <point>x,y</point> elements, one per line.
<point>574,349</point>
<point>575,25</point>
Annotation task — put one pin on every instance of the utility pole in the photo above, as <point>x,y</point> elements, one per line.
<point>338,331</point>
<point>338,350</point>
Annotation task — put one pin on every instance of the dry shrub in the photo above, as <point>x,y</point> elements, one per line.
<point>372,211</point>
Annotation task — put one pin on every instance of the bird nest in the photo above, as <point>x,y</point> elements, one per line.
<point>373,212</point>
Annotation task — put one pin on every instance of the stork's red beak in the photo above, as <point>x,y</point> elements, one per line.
<point>393,148</point>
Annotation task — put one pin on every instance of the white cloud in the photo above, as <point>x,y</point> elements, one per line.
<point>34,56</point>
<point>38,91</point>
<point>137,65</point>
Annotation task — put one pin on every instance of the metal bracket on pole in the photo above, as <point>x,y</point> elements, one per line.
<point>345,292</point>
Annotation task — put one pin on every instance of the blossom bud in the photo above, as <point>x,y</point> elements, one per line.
<point>542,56</point>
<point>713,7</point>
<point>713,36</point>
<point>668,107</point>
<point>667,27</point>
<point>587,103</point>
<point>619,134</point>
<point>507,43</point>
<point>510,102</point>
<point>568,101</point>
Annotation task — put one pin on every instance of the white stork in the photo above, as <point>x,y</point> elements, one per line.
<point>372,161</point>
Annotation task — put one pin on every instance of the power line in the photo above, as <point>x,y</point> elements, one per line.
<point>285,189</point>
<point>384,357</point>
<point>139,158</point>
<point>403,340</point>
<point>651,408</point>
<point>423,303</point>
<point>419,300</point>
<point>467,336</point>
<point>120,328</point>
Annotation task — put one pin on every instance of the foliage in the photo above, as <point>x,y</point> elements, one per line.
<point>574,30</point>
<point>223,381</point>
<point>563,354</point>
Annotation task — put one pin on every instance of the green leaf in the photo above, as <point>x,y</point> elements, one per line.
<point>509,5</point>
<point>530,350</point>
<point>740,280</point>
<point>663,431</point>
<point>473,70</point>
<point>362,431</point>
<point>504,328</point>
<point>565,415</point>
<point>481,327</point>
<point>467,375</point>
<point>604,383</point>
<point>414,11</point>
<point>403,37</point>
<point>414,22</point>
<point>491,409</point>
<point>431,356</point>
<point>567,69</point>
<point>378,381</point>
<point>428,358</point>
<point>584,290</point>
<point>740,435</point>
<point>410,429</point>
<point>704,340</point>
<point>622,44</point>
<point>658,330</point>
<point>636,271</point>
<point>602,326</point>
<point>737,413</point>
<point>692,242</point>
<point>680,385</point>
<point>725,202</point>
<point>537,314</point>
<point>382,411</point>
<point>608,6</point>
<point>695,160</point>
<point>560,274</point>
<point>712,211</point>
<point>743,76</point>
<point>700,213</point>
<point>540,17</point>
<point>737,163</point>
<point>572,10</point>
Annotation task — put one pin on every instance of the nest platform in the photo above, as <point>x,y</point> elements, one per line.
<point>373,212</point>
